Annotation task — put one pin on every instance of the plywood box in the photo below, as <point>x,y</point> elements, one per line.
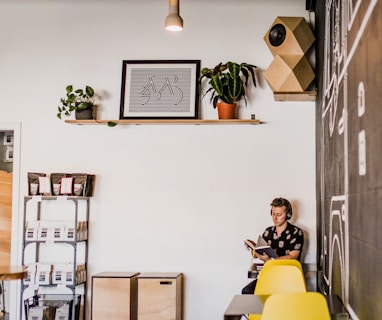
<point>160,296</point>
<point>5,216</point>
<point>114,296</point>
<point>295,34</point>
<point>289,73</point>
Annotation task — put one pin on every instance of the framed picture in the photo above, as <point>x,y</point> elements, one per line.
<point>153,89</point>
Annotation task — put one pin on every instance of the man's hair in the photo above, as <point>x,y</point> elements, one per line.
<point>280,202</point>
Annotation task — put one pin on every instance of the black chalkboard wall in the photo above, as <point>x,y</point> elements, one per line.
<point>349,152</point>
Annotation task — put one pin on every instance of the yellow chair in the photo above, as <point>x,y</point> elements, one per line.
<point>289,262</point>
<point>296,306</point>
<point>279,279</point>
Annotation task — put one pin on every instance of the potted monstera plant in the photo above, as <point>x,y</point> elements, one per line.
<point>79,101</point>
<point>228,84</point>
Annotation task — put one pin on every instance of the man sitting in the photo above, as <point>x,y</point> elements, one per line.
<point>285,238</point>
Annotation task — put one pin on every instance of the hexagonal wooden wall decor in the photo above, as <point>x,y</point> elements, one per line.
<point>289,39</point>
<point>289,73</point>
<point>289,35</point>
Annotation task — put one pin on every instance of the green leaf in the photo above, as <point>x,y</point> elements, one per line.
<point>89,91</point>
<point>206,72</point>
<point>246,67</point>
<point>84,105</point>
<point>235,86</point>
<point>215,101</point>
<point>216,83</point>
<point>111,124</point>
<point>246,75</point>
<point>234,70</point>
<point>69,88</point>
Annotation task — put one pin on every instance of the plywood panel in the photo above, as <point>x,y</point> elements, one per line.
<point>114,296</point>
<point>160,296</point>
<point>5,217</point>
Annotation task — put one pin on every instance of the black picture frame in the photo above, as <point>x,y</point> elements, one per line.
<point>160,89</point>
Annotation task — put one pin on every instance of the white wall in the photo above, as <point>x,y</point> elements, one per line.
<point>168,198</point>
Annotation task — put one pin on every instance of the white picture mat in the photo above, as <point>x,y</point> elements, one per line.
<point>159,90</point>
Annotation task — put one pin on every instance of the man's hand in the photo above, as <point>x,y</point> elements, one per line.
<point>264,257</point>
<point>249,244</point>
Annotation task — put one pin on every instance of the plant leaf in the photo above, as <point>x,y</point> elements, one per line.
<point>235,86</point>
<point>216,83</point>
<point>83,105</point>
<point>251,68</point>
<point>234,69</point>
<point>89,91</point>
<point>215,101</point>
<point>69,88</point>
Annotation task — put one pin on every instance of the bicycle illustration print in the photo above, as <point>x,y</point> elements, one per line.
<point>167,90</point>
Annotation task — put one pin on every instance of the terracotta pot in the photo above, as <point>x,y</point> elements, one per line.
<point>226,110</point>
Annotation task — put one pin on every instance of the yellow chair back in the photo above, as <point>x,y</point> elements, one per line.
<point>280,279</point>
<point>296,306</point>
<point>289,262</point>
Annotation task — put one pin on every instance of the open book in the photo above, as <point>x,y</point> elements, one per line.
<point>261,247</point>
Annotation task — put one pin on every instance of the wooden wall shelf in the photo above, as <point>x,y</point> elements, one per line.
<point>164,121</point>
<point>295,96</point>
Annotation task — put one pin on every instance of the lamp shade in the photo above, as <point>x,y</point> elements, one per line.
<point>174,22</point>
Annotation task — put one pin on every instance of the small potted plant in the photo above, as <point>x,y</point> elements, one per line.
<point>81,102</point>
<point>228,85</point>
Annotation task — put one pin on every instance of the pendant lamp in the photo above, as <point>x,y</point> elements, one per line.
<point>174,22</point>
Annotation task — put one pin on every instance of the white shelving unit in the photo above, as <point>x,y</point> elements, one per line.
<point>55,248</point>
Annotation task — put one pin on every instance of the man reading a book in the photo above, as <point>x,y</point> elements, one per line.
<point>283,237</point>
